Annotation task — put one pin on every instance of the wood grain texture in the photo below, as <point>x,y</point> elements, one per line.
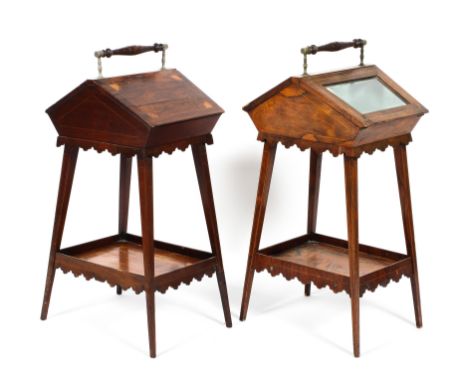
<point>351,187</point>
<point>124,197</point>
<point>124,192</point>
<point>307,117</point>
<point>200,159</point>
<point>127,261</point>
<point>324,261</point>
<point>118,260</point>
<point>302,112</point>
<point>266,171</point>
<point>145,185</point>
<point>141,115</point>
<point>335,282</point>
<point>141,110</point>
<point>315,170</point>
<point>332,259</point>
<point>336,150</point>
<point>160,98</point>
<point>401,164</point>
<point>70,156</point>
<point>128,151</point>
<point>302,109</point>
<point>128,258</point>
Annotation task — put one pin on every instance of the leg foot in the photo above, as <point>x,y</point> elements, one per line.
<point>249,275</point>
<point>151,323</point>
<point>355,322</point>
<point>48,290</point>
<point>224,297</point>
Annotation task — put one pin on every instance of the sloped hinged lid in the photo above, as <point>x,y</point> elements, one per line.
<point>137,110</point>
<point>160,98</point>
<point>365,95</point>
<point>349,107</point>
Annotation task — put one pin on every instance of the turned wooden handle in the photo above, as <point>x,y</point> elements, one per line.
<point>130,50</point>
<point>334,46</point>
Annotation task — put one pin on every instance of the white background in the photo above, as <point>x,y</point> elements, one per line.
<point>234,52</point>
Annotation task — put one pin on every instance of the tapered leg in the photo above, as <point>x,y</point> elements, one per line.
<point>70,155</point>
<point>203,174</point>
<point>401,164</point>
<point>266,170</point>
<point>315,170</point>
<point>145,180</point>
<point>150,312</point>
<point>351,180</point>
<point>124,196</point>
<point>124,191</point>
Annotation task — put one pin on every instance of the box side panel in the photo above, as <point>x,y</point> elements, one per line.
<point>179,131</point>
<point>294,113</point>
<point>385,130</point>
<point>92,114</point>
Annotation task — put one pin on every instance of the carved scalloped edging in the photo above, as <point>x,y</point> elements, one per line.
<point>336,149</point>
<point>186,280</point>
<point>91,275</point>
<point>180,145</point>
<point>299,143</point>
<point>114,149</point>
<point>168,150</point>
<point>97,146</point>
<point>371,286</point>
<point>335,287</point>
<point>290,275</point>
<point>383,145</point>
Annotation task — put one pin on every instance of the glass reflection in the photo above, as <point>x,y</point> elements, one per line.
<point>367,95</point>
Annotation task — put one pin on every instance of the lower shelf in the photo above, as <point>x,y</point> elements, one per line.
<point>118,260</point>
<point>324,261</point>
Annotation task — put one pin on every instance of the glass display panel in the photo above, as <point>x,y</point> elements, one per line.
<point>366,95</point>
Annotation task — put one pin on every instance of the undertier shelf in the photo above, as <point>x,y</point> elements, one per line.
<point>118,260</point>
<point>324,261</point>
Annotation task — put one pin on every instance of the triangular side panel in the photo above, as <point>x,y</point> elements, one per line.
<point>90,112</point>
<point>293,112</point>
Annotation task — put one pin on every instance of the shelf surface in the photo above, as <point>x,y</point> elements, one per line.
<point>128,257</point>
<point>324,261</point>
<point>119,261</point>
<point>331,258</point>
